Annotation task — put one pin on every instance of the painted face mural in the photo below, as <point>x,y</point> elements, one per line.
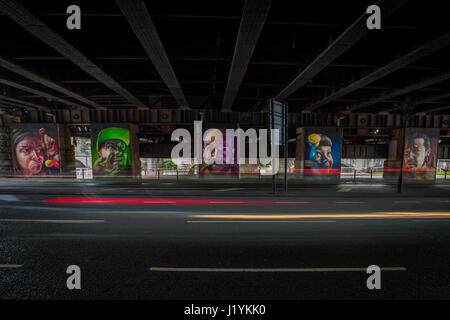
<point>417,154</point>
<point>112,152</point>
<point>35,150</point>
<point>30,155</point>
<point>230,167</point>
<point>320,150</point>
<point>419,159</point>
<point>322,153</point>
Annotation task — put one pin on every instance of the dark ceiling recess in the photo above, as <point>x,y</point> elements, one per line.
<point>318,56</point>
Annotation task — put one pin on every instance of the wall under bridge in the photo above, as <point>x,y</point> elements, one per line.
<point>251,119</point>
<point>172,118</point>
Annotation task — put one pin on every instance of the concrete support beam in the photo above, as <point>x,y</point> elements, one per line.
<point>140,21</point>
<point>254,16</point>
<point>48,83</point>
<point>12,105</point>
<point>344,42</point>
<point>395,65</point>
<point>399,92</point>
<point>23,104</point>
<point>437,109</point>
<point>40,93</point>
<point>39,29</point>
<point>432,99</point>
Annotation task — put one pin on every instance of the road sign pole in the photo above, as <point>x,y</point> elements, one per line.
<point>286,140</point>
<point>278,120</point>
<point>400,178</point>
<point>272,140</point>
<point>407,108</point>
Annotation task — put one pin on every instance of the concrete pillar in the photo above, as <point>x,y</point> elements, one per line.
<point>5,147</point>
<point>135,159</point>
<point>66,151</point>
<point>392,164</point>
<point>299,153</point>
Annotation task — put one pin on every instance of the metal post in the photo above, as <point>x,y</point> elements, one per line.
<point>371,171</point>
<point>286,141</point>
<point>272,115</point>
<point>400,178</point>
<point>354,175</point>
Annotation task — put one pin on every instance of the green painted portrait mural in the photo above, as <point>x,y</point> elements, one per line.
<point>111,152</point>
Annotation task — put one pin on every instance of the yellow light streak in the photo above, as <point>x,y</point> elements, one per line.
<point>321,216</point>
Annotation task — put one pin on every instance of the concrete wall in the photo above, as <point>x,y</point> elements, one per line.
<point>245,119</point>
<point>5,147</point>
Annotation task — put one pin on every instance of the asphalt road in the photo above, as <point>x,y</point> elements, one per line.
<point>217,247</point>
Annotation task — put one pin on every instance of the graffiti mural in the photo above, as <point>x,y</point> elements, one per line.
<point>35,149</point>
<point>322,151</point>
<point>420,157</point>
<point>111,152</point>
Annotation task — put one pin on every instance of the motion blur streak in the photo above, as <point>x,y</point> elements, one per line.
<point>162,201</point>
<point>319,216</point>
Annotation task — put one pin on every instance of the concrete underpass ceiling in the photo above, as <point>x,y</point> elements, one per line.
<point>199,40</point>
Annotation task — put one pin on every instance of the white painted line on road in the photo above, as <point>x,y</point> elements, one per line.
<point>316,216</point>
<point>10,266</point>
<point>258,221</point>
<point>293,202</point>
<point>174,269</point>
<point>52,221</point>
<point>229,189</point>
<point>350,202</point>
<point>375,185</point>
<point>407,201</point>
<point>432,220</point>
<point>226,202</point>
<point>79,210</point>
<point>160,202</point>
